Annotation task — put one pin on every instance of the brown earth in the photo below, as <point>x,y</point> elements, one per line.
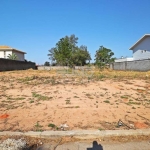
<point>43,100</point>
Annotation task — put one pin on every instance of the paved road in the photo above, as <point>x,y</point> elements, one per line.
<point>144,145</point>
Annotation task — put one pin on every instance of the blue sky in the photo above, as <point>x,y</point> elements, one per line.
<point>35,26</point>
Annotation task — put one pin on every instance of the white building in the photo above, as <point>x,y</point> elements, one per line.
<point>6,50</point>
<point>124,59</point>
<point>141,50</point>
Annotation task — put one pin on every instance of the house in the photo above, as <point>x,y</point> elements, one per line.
<point>141,50</point>
<point>6,50</point>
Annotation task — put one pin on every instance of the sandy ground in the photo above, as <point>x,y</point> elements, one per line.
<point>43,100</point>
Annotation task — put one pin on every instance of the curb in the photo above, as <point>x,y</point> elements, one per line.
<point>80,134</point>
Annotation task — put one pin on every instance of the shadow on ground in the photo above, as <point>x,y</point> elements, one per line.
<point>96,146</point>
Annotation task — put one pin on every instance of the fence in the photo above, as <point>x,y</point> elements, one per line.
<point>8,65</point>
<point>62,67</point>
<point>136,65</point>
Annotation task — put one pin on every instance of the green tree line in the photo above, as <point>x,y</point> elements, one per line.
<point>67,53</point>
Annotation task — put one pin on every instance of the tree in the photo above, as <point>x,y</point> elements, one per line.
<point>51,55</point>
<point>12,56</point>
<point>67,53</point>
<point>62,52</point>
<point>85,55</point>
<point>46,63</point>
<point>103,57</point>
<point>81,56</point>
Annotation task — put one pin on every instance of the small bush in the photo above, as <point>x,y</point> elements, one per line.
<point>106,101</point>
<point>51,125</point>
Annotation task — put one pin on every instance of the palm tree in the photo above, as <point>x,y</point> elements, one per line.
<point>12,56</point>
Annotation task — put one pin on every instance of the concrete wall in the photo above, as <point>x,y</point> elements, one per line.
<point>52,67</point>
<point>142,50</point>
<point>8,65</point>
<point>137,65</point>
<point>62,67</point>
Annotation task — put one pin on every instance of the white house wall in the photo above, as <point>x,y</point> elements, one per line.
<point>142,50</point>
<point>19,55</point>
<point>2,52</point>
<point>7,53</point>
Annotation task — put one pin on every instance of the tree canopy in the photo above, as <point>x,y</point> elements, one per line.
<point>103,57</point>
<point>67,53</point>
<point>12,56</point>
<point>46,63</point>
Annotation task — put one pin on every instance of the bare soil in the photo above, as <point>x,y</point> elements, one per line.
<point>45,100</point>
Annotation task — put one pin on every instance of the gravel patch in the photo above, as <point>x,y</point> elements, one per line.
<point>12,144</point>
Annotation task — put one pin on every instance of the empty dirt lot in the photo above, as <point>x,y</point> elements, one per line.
<point>65,100</point>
